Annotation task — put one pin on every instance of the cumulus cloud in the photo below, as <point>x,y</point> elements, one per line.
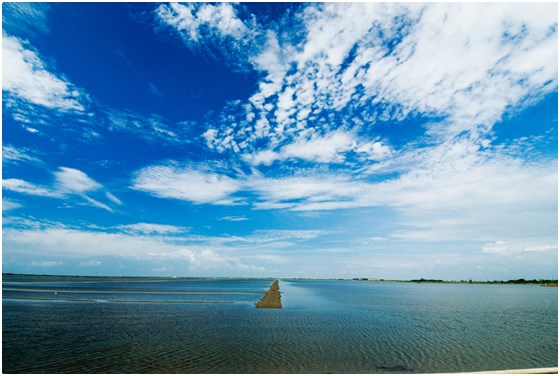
<point>194,19</point>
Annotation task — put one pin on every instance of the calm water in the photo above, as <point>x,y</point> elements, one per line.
<point>211,326</point>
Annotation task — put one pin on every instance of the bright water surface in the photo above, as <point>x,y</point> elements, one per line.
<point>112,325</point>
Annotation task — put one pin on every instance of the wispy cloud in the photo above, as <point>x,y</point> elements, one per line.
<point>507,248</point>
<point>215,29</point>
<point>37,97</point>
<point>62,242</point>
<point>90,263</point>
<point>259,238</point>
<point>46,264</point>
<point>68,182</point>
<point>71,180</point>
<point>328,148</point>
<point>9,205</point>
<point>25,18</point>
<point>112,198</point>
<point>234,218</point>
<point>152,228</point>
<point>25,76</point>
<point>189,183</point>
<point>153,128</point>
<point>22,186</point>
<point>455,191</point>
<point>463,66</point>
<point>471,72</point>
<point>12,154</point>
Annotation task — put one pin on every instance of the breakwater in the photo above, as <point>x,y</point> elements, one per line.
<point>271,298</point>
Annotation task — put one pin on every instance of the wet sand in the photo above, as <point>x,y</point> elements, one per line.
<point>271,298</point>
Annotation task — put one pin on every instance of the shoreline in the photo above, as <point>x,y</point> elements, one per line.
<point>531,371</point>
<point>58,278</point>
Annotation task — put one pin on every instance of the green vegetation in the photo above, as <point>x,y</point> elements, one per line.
<point>521,281</point>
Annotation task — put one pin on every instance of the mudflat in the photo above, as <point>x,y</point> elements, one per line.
<point>271,298</point>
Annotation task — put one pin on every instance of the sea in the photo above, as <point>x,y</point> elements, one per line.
<point>155,325</point>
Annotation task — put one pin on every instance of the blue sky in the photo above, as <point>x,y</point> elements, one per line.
<point>379,140</point>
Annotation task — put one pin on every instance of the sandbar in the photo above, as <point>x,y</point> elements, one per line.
<point>271,298</point>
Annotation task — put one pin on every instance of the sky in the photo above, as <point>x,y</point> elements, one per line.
<point>322,140</point>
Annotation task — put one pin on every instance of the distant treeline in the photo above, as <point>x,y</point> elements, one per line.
<point>540,281</point>
<point>520,281</point>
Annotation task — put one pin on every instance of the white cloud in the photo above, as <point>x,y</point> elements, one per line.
<point>374,150</point>
<point>152,228</point>
<point>90,263</point>
<point>153,128</point>
<point>327,148</point>
<point>268,235</point>
<point>15,155</point>
<point>208,259</point>
<point>470,71</point>
<point>266,157</point>
<point>22,186</point>
<point>464,65</point>
<point>191,19</point>
<point>25,76</point>
<point>213,29</point>
<point>22,18</point>
<point>9,205</point>
<point>46,264</point>
<point>64,242</point>
<point>113,198</point>
<point>321,149</point>
<point>450,193</point>
<point>508,248</point>
<point>68,182</point>
<point>97,204</point>
<point>296,192</point>
<point>71,180</point>
<point>234,218</point>
<point>187,183</point>
<point>454,191</point>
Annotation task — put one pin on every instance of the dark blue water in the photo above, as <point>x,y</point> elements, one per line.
<point>62,325</point>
